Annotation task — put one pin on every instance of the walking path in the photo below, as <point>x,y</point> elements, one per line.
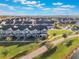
<point>43,49</point>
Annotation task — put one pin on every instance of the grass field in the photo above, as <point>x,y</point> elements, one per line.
<point>58,32</point>
<point>60,51</point>
<point>15,50</point>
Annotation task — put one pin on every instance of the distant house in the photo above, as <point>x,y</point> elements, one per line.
<point>24,27</point>
<point>77,23</point>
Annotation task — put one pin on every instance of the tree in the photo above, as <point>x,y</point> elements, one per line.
<point>9,38</point>
<point>54,34</point>
<point>69,43</point>
<point>64,35</point>
<point>77,33</point>
<point>5,52</point>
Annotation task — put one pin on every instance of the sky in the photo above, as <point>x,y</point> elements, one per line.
<point>39,7</point>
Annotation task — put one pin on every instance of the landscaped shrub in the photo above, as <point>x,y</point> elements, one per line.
<point>69,43</point>
<point>64,35</point>
<point>54,34</point>
<point>8,39</point>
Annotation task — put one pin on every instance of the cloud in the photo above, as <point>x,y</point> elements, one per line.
<point>3,4</point>
<point>57,3</point>
<point>27,8</point>
<point>22,1</point>
<point>58,10</point>
<point>46,9</point>
<point>7,6</point>
<point>60,7</point>
<point>39,5</point>
<point>31,3</point>
<point>68,6</point>
<point>6,12</point>
<point>26,2</point>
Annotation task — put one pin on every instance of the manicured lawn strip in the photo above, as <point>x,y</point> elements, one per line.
<point>58,32</point>
<point>61,51</point>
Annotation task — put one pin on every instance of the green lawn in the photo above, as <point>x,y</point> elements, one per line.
<point>61,51</point>
<point>59,32</point>
<point>16,50</point>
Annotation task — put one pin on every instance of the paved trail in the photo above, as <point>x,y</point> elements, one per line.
<point>35,53</point>
<point>43,49</point>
